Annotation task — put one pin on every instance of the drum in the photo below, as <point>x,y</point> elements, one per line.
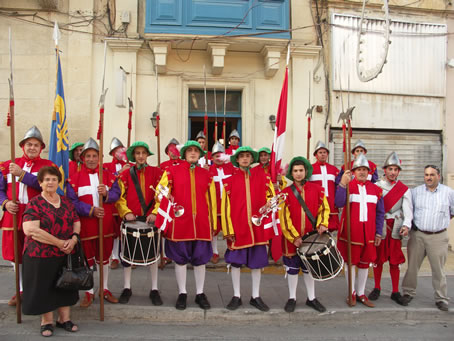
<point>140,243</point>
<point>320,256</point>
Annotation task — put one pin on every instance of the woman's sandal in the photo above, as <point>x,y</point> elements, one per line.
<point>68,326</point>
<point>47,328</point>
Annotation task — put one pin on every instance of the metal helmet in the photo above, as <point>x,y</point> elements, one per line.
<point>217,148</point>
<point>393,160</point>
<point>320,145</point>
<point>234,133</point>
<point>115,143</point>
<point>90,144</point>
<point>200,135</point>
<point>33,132</point>
<point>360,161</point>
<point>172,141</point>
<point>359,143</point>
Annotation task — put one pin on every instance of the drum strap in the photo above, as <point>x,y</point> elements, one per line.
<point>304,206</point>
<point>135,180</point>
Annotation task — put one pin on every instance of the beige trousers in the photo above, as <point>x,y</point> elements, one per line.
<point>435,247</point>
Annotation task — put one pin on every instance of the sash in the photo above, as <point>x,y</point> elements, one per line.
<point>144,206</point>
<point>304,206</point>
<point>394,195</point>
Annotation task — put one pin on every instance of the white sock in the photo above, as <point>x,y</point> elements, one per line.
<point>310,286</point>
<point>154,276</point>
<point>199,275</point>
<point>362,279</point>
<point>353,277</point>
<point>20,275</point>
<point>180,274</point>
<point>292,284</point>
<point>105,277</point>
<point>127,272</point>
<point>163,244</point>
<point>236,273</point>
<point>214,245</point>
<point>115,249</point>
<point>256,274</point>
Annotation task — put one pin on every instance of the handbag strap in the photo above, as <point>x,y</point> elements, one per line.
<point>135,181</point>
<point>304,206</point>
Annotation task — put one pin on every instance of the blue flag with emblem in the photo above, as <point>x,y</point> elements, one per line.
<point>59,145</point>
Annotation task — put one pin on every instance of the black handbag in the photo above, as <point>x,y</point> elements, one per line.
<point>79,277</point>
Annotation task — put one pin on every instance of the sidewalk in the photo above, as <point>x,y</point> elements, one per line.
<point>218,288</point>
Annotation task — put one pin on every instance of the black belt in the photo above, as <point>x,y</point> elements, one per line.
<point>428,232</point>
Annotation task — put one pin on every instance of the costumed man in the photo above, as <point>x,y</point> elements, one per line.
<point>85,192</point>
<point>172,152</point>
<point>25,169</point>
<point>117,166</point>
<point>264,166</point>
<point>234,142</point>
<point>324,174</point>
<point>136,203</point>
<point>360,149</point>
<point>366,224</point>
<point>189,234</point>
<point>220,170</point>
<point>74,157</point>
<point>398,217</point>
<point>204,161</point>
<point>243,196</point>
<point>305,209</point>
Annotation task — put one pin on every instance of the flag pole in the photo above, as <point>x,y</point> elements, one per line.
<point>11,124</point>
<point>346,147</point>
<point>100,222</point>
<point>215,118</point>
<point>205,119</point>
<point>223,123</point>
<point>309,118</point>
<point>131,107</point>
<point>162,263</point>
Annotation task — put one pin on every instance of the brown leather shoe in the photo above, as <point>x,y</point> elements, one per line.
<point>353,301</point>
<point>109,297</point>
<point>215,258</point>
<point>88,300</point>
<point>12,302</point>
<point>114,264</point>
<point>364,300</point>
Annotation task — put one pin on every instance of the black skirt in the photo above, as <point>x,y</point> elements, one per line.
<point>39,276</point>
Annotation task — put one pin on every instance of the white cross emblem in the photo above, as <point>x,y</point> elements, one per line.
<point>221,176</point>
<point>363,199</point>
<point>23,194</point>
<point>166,215</point>
<point>324,178</point>
<point>92,189</point>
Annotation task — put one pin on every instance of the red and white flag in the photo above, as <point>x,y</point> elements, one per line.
<point>165,215</point>
<point>277,150</point>
<point>277,153</point>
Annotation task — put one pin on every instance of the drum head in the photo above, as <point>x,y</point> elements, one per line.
<point>137,225</point>
<point>313,242</point>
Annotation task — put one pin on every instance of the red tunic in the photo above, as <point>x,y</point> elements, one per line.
<point>190,188</point>
<point>115,166</point>
<point>244,195</point>
<point>325,176</point>
<point>231,150</point>
<point>169,163</point>
<point>27,187</point>
<point>362,232</point>
<point>313,196</point>
<point>147,176</point>
<point>84,183</point>
<point>220,173</point>
<point>74,167</point>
